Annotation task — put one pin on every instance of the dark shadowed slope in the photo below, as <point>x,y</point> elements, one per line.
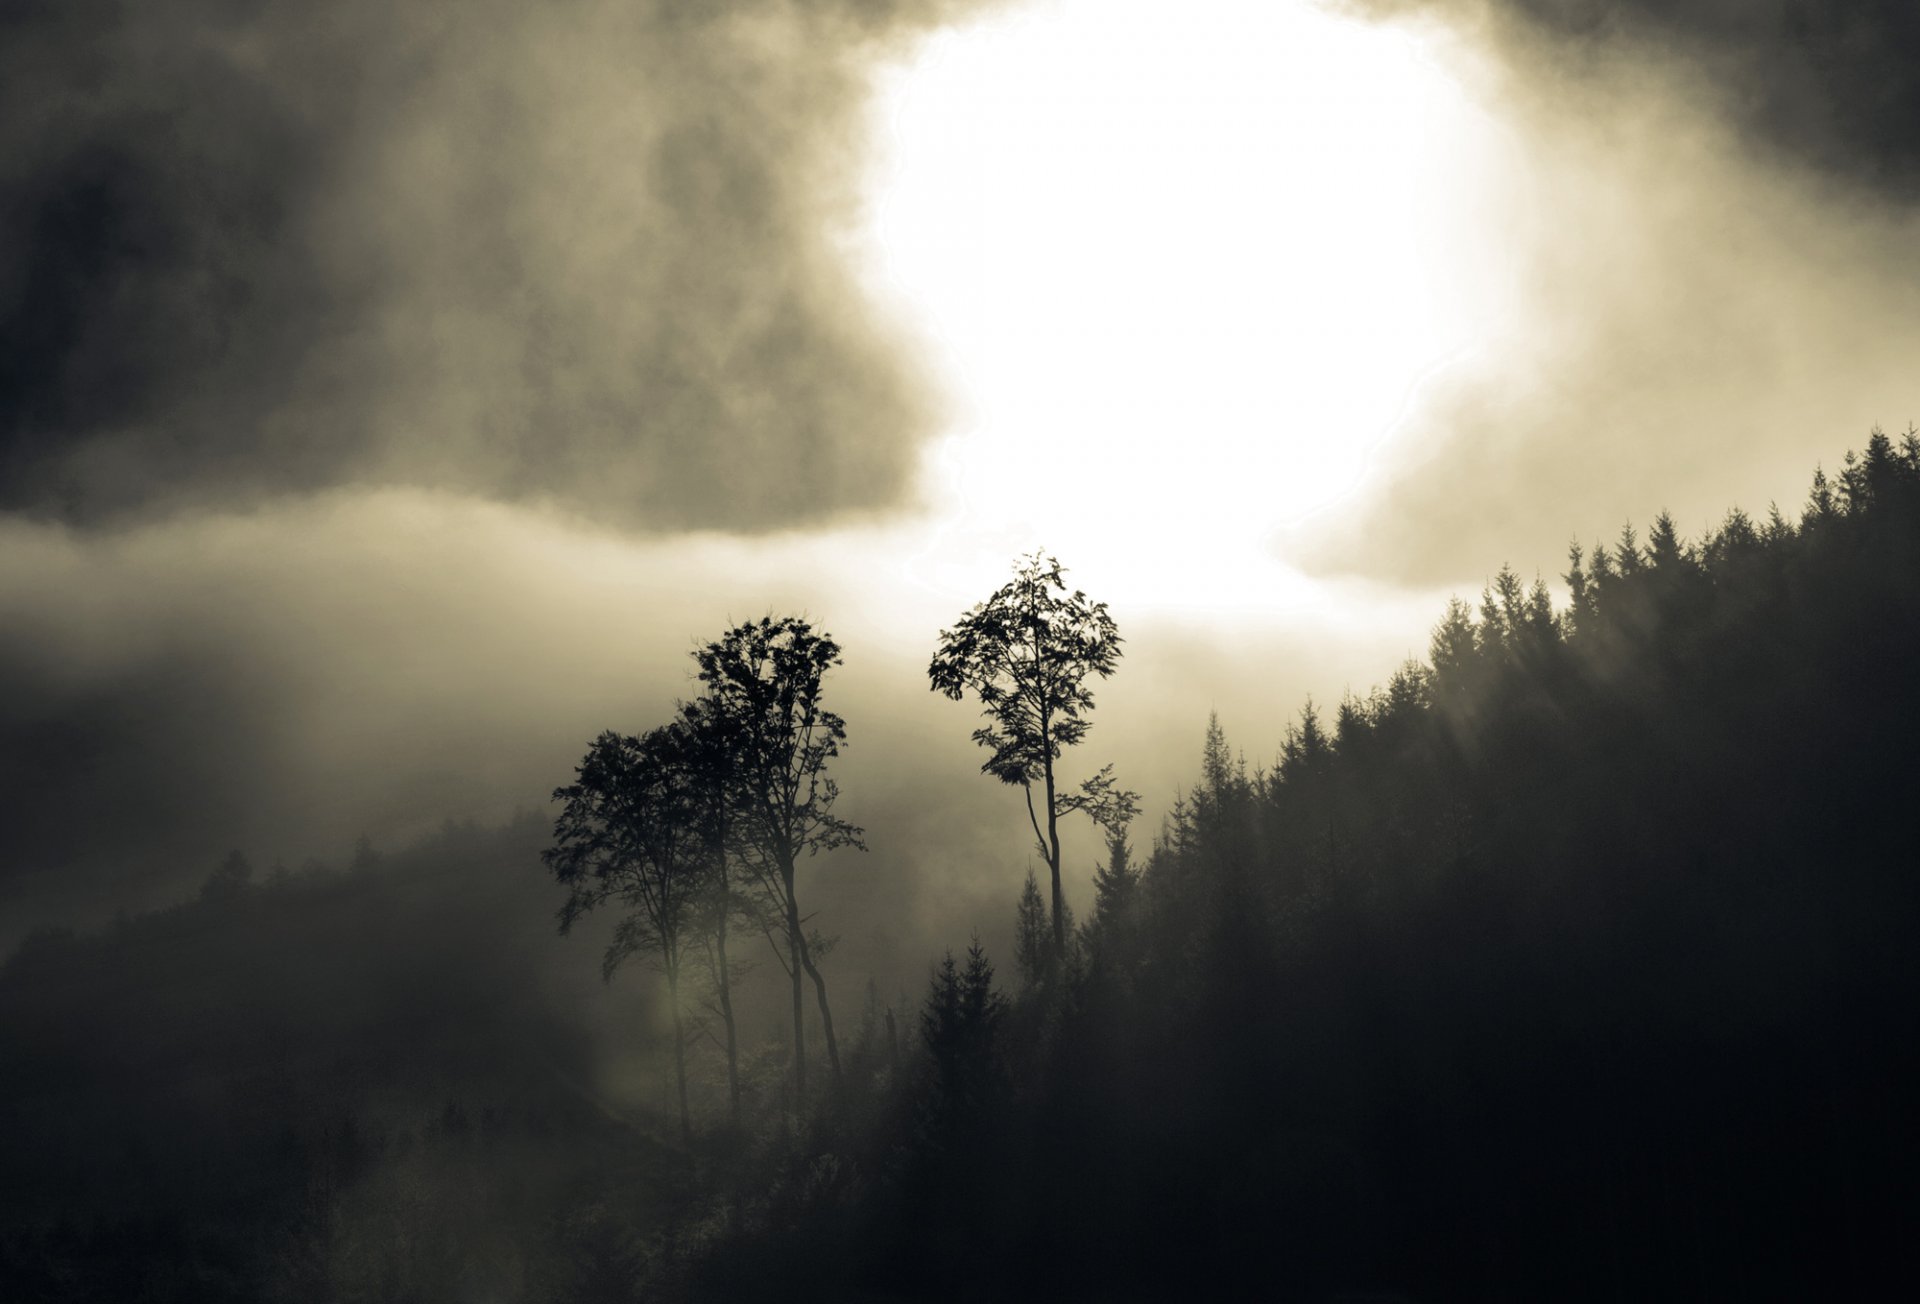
<point>1575,965</point>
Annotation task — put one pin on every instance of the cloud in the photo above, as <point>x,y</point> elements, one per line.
<point>285,680</point>
<point>1824,83</point>
<point>1702,310</point>
<point>581,252</point>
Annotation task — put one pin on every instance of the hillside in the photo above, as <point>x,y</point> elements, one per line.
<point>1573,962</point>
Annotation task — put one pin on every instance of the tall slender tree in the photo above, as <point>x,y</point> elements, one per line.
<point>1028,653</point>
<point>764,690</point>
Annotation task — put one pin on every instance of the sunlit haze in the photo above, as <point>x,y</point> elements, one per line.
<point>1177,279</point>
<point>731,650</point>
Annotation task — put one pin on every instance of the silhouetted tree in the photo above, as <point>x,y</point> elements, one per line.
<point>1584,596</point>
<point>1033,949</point>
<point>711,759</point>
<point>1821,507</point>
<point>764,687</point>
<point>629,832</point>
<point>1027,654</point>
<point>1114,885</point>
<point>959,1024</point>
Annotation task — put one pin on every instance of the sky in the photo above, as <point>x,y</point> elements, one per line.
<point>392,396</point>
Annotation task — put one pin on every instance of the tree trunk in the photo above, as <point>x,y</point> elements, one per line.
<point>826,1015</point>
<point>1053,859</point>
<point>725,985</point>
<point>795,947</point>
<point>679,1050</point>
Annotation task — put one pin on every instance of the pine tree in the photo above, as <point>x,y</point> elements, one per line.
<point>1352,726</point>
<point>1454,649</point>
<point>1033,949</point>
<point>1540,620</point>
<point>1628,559</point>
<point>1601,574</point>
<point>1113,889</point>
<point>1779,530</point>
<point>1820,501</point>
<point>1880,468</point>
<point>1664,549</point>
<point>1216,762</point>
<point>1584,597</point>
<point>960,1025</point>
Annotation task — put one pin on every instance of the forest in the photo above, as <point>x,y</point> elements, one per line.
<point>1572,962</point>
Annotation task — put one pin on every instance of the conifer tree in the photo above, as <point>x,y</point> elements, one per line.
<point>1628,559</point>
<point>1583,596</point>
<point>1821,507</point>
<point>960,1024</point>
<point>1113,886</point>
<point>1454,649</point>
<point>1033,949</point>
<point>1664,549</point>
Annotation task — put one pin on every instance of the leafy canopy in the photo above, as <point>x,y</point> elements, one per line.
<point>1028,653</point>
<point>629,831</point>
<point>763,705</point>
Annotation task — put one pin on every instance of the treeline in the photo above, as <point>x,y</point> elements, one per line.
<point>1575,962</point>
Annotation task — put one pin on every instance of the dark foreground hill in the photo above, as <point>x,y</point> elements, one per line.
<point>1577,964</point>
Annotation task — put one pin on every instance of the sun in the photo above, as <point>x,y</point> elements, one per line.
<point>1179,269</point>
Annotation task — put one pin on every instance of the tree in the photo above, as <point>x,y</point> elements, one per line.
<point>711,763</point>
<point>1585,595</point>
<point>1033,951</point>
<point>1114,885</point>
<point>1455,651</point>
<point>763,681</point>
<point>959,1024</point>
<point>628,832</point>
<point>1028,653</point>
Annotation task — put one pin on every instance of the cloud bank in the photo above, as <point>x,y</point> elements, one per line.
<point>1715,252</point>
<point>580,252</point>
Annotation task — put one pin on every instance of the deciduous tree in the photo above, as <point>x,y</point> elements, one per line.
<point>1028,653</point>
<point>764,691</point>
<point>628,833</point>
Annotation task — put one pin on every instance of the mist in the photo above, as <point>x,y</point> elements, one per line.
<point>585,254</point>
<point>1673,235</point>
<point>392,400</point>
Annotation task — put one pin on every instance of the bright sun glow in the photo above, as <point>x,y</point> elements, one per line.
<point>1180,269</point>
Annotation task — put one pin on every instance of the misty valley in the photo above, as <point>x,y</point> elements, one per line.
<point>1573,961</point>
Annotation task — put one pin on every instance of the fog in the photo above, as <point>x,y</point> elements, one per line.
<point>556,353</point>
<point>392,398</point>
<point>1698,210</point>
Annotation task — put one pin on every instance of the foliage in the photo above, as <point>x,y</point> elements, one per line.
<point>1027,654</point>
<point>628,832</point>
<point>1572,964</point>
<point>765,689</point>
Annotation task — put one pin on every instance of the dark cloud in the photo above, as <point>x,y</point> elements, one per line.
<point>1827,83</point>
<point>580,251</point>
